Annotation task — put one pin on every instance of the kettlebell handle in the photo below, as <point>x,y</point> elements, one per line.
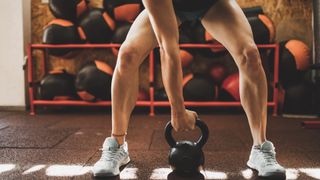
<point>200,143</point>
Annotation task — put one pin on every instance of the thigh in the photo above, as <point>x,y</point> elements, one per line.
<point>226,22</point>
<point>141,37</point>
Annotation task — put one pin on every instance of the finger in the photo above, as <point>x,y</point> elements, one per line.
<point>195,115</point>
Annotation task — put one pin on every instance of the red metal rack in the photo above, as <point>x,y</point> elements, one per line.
<point>151,103</point>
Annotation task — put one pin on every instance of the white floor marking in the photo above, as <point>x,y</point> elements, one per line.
<point>160,173</point>
<point>247,174</point>
<point>6,167</point>
<point>312,172</point>
<point>67,170</point>
<point>214,174</point>
<point>129,173</point>
<point>34,169</point>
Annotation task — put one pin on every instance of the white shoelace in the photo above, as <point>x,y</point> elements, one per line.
<point>270,157</point>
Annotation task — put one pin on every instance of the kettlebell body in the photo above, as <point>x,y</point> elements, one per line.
<point>185,156</point>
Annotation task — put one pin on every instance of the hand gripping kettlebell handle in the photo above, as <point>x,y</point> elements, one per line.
<point>200,143</point>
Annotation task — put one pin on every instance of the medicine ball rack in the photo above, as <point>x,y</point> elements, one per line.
<point>150,103</point>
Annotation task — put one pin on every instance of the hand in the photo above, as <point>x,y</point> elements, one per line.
<point>185,121</point>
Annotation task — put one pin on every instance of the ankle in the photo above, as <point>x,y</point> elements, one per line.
<point>121,138</point>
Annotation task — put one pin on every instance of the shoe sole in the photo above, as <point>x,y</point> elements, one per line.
<point>271,175</point>
<point>126,162</point>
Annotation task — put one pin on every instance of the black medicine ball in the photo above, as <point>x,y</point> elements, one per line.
<point>68,9</point>
<point>199,88</point>
<point>93,81</point>
<point>262,28</point>
<point>96,26</point>
<point>60,31</point>
<point>57,85</point>
<point>123,10</point>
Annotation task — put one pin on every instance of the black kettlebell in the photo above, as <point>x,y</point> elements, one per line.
<point>185,156</point>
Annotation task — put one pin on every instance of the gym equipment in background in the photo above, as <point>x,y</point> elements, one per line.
<point>143,95</point>
<point>93,81</point>
<point>218,72</point>
<point>186,54</point>
<point>123,10</point>
<point>295,57</point>
<point>60,31</point>
<point>186,157</point>
<point>96,26</point>
<point>299,99</point>
<point>68,10</point>
<point>57,85</point>
<point>262,28</point>
<point>316,63</point>
<point>230,88</point>
<point>161,95</point>
<point>253,11</point>
<point>198,87</point>
<point>120,35</point>
<point>200,35</point>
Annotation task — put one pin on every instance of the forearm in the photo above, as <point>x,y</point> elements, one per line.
<point>172,79</point>
<point>165,26</point>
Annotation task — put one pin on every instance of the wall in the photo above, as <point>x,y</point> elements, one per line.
<point>12,89</point>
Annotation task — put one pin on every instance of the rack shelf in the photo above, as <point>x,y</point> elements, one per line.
<point>151,103</point>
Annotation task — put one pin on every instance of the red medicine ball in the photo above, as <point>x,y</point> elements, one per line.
<point>230,89</point>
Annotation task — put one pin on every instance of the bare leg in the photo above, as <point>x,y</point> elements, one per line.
<point>138,44</point>
<point>226,22</point>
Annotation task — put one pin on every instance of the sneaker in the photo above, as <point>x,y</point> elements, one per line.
<point>263,159</point>
<point>112,158</point>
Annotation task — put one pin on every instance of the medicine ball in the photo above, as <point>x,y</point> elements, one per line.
<point>96,26</point>
<point>120,35</point>
<point>295,58</point>
<point>123,10</point>
<point>60,31</point>
<point>218,72</point>
<point>57,85</point>
<point>93,81</point>
<point>263,29</point>
<point>161,95</point>
<point>230,89</point>
<point>143,95</point>
<point>298,99</point>
<point>69,10</point>
<point>202,36</point>
<point>198,87</point>
<point>253,11</point>
<point>186,54</point>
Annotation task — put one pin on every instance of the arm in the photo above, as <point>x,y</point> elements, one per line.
<point>165,26</point>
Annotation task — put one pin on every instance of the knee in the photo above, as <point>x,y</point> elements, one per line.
<point>127,59</point>
<point>248,59</point>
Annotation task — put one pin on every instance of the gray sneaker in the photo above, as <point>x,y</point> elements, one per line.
<point>112,158</point>
<point>263,160</point>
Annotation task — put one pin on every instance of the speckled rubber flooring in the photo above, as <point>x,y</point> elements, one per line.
<point>66,145</point>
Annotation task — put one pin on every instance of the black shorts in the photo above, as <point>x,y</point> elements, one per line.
<point>193,15</point>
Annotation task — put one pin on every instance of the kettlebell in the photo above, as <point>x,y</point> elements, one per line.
<point>185,157</point>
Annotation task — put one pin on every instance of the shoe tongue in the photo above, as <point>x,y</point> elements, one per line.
<point>267,146</point>
<point>110,143</point>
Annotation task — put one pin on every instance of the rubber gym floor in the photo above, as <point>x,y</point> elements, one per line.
<point>66,145</point>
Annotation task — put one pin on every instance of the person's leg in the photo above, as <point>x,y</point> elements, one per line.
<point>226,22</point>
<point>138,44</point>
